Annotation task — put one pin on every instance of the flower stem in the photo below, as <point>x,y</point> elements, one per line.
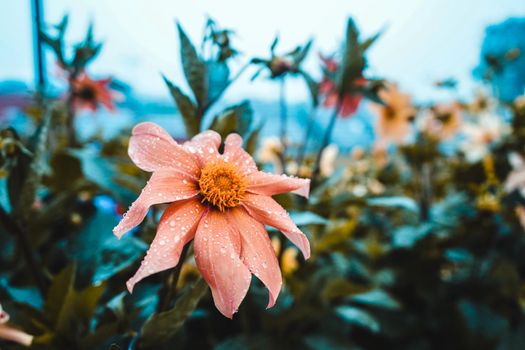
<point>326,139</point>
<point>283,118</point>
<point>27,250</point>
<point>302,151</point>
<point>426,191</point>
<point>70,119</point>
<point>168,293</point>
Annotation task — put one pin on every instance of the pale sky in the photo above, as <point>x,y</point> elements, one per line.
<point>425,40</point>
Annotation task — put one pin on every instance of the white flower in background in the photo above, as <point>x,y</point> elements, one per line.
<point>328,158</point>
<point>12,334</point>
<point>480,134</point>
<point>519,102</point>
<point>516,178</point>
<point>270,152</point>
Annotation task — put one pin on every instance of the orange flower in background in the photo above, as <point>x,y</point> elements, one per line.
<point>12,334</point>
<point>395,117</point>
<point>90,94</point>
<point>444,120</point>
<point>222,202</point>
<point>328,88</point>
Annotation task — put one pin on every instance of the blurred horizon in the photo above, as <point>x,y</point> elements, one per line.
<point>443,41</point>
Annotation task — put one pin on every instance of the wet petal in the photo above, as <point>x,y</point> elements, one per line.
<point>268,212</point>
<point>151,148</point>
<point>15,335</point>
<point>217,254</point>
<point>270,184</point>
<point>257,252</point>
<point>235,154</point>
<point>176,228</point>
<point>205,146</point>
<point>164,186</point>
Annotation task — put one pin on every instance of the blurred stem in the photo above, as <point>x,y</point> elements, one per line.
<point>326,139</point>
<point>70,118</point>
<point>283,117</point>
<point>27,250</point>
<point>425,199</point>
<point>171,283</point>
<point>309,127</point>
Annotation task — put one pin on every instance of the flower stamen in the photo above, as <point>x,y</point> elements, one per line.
<point>221,185</point>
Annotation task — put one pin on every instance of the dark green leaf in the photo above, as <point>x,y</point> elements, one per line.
<point>218,79</point>
<point>193,67</point>
<point>162,327</point>
<point>188,111</point>
<point>60,287</point>
<point>237,119</point>
<point>376,298</point>
<point>313,87</point>
<point>359,317</point>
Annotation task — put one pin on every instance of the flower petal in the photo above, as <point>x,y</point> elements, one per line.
<point>217,254</point>
<point>269,184</point>
<point>268,212</point>
<point>15,335</point>
<point>205,146</point>
<point>176,228</point>
<point>164,186</point>
<point>235,154</point>
<point>151,148</point>
<point>257,252</point>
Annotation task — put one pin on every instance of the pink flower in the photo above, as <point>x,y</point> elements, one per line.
<point>12,334</point>
<point>222,202</point>
<point>328,88</point>
<point>88,93</point>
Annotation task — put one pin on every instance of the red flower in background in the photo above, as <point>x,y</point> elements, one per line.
<point>328,88</point>
<point>89,93</point>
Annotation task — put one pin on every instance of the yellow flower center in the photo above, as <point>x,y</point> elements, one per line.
<point>221,185</point>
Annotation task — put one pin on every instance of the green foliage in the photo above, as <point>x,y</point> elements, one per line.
<point>161,327</point>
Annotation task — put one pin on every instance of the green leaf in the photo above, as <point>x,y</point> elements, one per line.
<point>79,307</point>
<point>218,79</point>
<point>237,119</point>
<point>193,67</point>
<point>301,54</point>
<point>103,172</point>
<point>302,218</point>
<point>188,111</point>
<point>407,236</point>
<point>99,254</point>
<point>163,326</point>
<point>336,288</point>
<point>365,45</point>
<point>68,310</point>
<point>377,298</point>
<point>313,87</point>
<point>251,141</point>
<point>60,287</point>
<point>395,202</point>
<point>353,62</point>
<point>358,317</point>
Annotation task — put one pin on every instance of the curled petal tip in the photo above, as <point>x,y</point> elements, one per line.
<point>234,140</point>
<point>304,191</point>
<point>130,285</point>
<point>117,232</point>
